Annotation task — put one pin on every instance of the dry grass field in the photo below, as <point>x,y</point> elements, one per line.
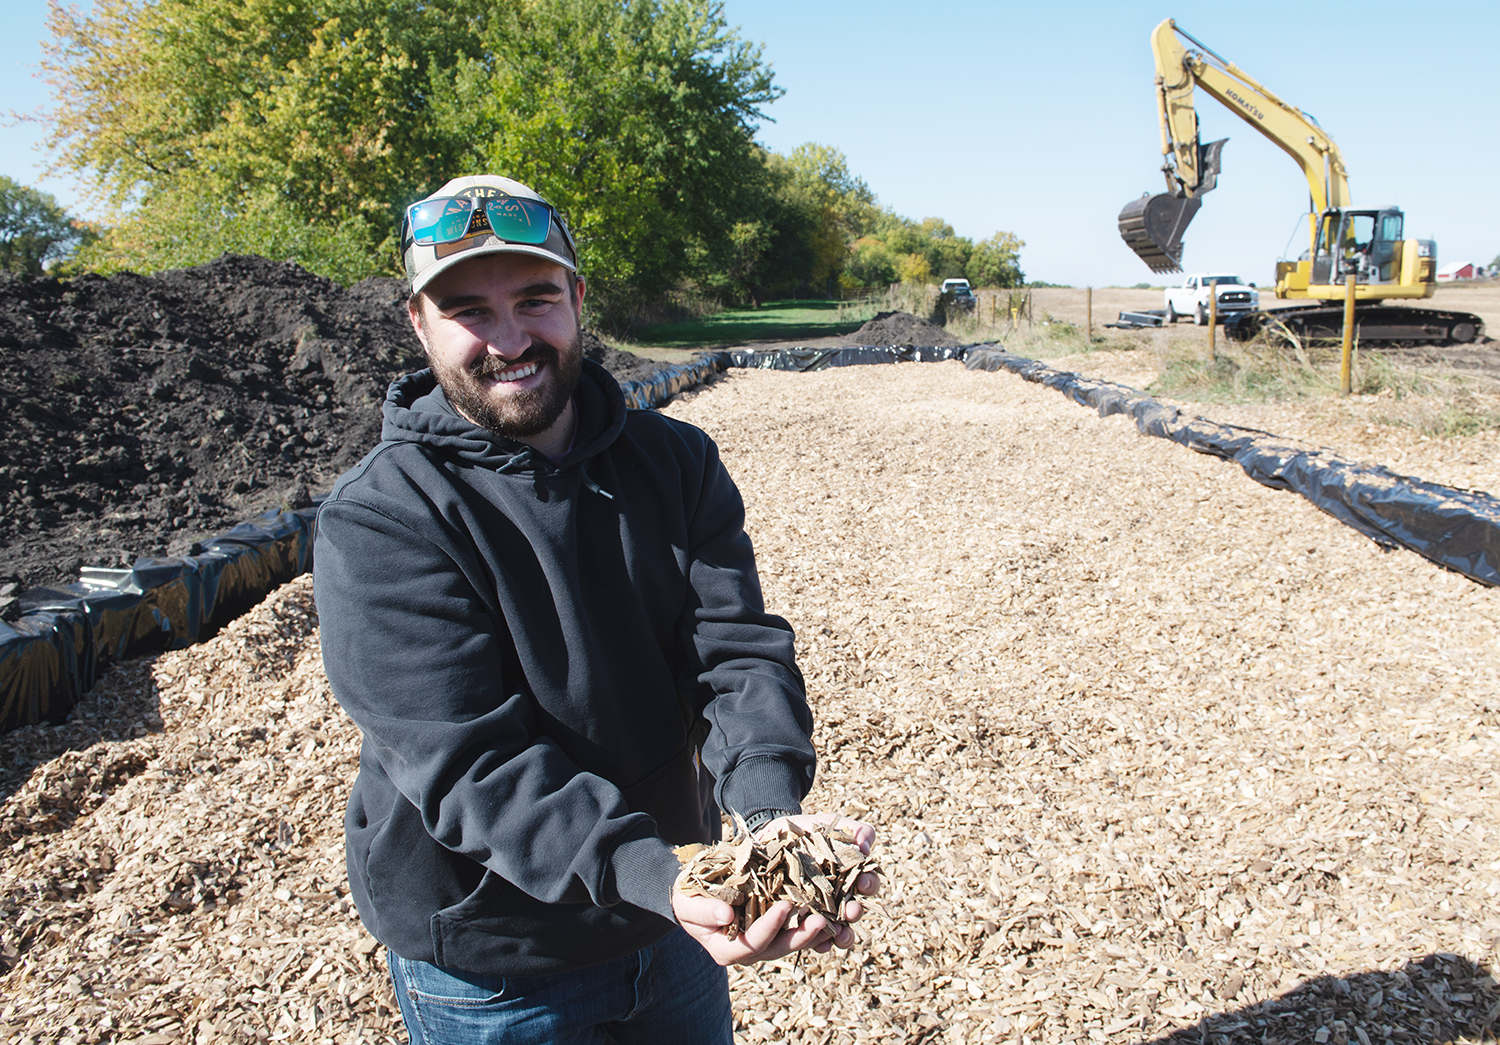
<point>1155,754</point>
<point>1070,304</point>
<point>1483,299</point>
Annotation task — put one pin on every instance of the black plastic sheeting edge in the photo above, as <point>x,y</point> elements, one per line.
<point>67,636</point>
<point>1458,529</point>
<point>668,381</point>
<point>807,359</point>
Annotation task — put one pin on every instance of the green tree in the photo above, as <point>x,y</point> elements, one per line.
<point>773,254</point>
<point>35,230</point>
<point>741,276</point>
<point>175,230</point>
<point>996,262</point>
<point>871,264</point>
<point>809,210</point>
<point>300,128</point>
<point>947,252</point>
<point>635,117</point>
<point>839,208</point>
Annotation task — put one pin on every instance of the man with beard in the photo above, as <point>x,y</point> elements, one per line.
<point>542,610</point>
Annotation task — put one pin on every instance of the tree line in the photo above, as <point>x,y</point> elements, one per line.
<point>36,232</point>
<point>300,129</point>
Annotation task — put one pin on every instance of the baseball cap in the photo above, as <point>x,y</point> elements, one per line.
<point>476,215</point>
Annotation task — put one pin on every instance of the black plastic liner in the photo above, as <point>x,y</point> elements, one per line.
<point>805,359</point>
<point>67,636</point>
<point>1459,529</point>
<point>669,380</point>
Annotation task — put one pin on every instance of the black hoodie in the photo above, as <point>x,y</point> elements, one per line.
<point>558,668</point>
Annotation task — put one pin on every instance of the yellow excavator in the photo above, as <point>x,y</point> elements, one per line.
<point>1369,244</point>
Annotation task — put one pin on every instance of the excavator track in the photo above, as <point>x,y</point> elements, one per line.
<point>1373,323</point>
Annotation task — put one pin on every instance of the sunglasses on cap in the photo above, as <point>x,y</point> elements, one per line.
<point>448,219</point>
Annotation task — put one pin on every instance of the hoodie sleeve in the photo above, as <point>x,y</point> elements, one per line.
<point>759,747</point>
<point>413,654</point>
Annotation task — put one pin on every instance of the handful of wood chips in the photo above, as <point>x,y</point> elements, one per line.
<point>816,869</point>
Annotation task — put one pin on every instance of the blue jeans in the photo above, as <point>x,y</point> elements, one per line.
<point>664,994</point>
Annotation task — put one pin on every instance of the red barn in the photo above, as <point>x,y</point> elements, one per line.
<point>1456,270</point>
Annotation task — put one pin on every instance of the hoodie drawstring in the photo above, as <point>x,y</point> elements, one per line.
<point>589,484</point>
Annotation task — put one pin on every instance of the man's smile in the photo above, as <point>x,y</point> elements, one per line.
<point>517,373</point>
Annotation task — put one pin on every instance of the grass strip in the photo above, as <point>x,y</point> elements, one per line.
<point>774,321</point>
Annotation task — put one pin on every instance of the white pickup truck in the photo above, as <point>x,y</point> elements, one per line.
<point>1192,298</point>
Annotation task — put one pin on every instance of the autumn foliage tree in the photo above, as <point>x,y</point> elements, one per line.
<point>291,129</point>
<point>898,249</point>
<point>301,128</point>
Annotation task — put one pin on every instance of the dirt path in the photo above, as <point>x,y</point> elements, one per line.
<point>1152,750</point>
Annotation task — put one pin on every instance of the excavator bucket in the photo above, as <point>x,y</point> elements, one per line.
<point>1153,227</point>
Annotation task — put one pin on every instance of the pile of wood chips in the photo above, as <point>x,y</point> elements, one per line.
<point>1153,754</point>
<point>816,870</point>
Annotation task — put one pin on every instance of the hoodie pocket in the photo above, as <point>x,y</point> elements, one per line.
<point>679,795</point>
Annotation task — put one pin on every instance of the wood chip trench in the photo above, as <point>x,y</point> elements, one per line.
<point>1154,753</point>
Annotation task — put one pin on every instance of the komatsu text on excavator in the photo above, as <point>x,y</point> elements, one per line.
<point>1369,244</point>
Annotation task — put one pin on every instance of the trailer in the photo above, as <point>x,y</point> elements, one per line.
<point>1150,317</point>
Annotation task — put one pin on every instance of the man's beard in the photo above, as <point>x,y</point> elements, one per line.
<point>520,415</point>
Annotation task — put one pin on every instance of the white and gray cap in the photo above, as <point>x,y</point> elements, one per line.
<point>423,263</point>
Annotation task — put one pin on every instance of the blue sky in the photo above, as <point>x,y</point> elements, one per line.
<point>1038,118</point>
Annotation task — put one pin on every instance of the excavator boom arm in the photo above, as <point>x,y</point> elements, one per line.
<point>1153,225</point>
<point>1180,69</point>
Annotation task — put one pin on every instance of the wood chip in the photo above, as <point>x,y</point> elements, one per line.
<point>794,864</point>
<point>1153,753</point>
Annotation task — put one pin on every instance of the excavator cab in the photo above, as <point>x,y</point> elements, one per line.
<point>1356,236</point>
<point>1362,243</point>
<point>1385,245</point>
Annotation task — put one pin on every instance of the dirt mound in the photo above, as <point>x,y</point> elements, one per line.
<point>151,411</point>
<point>624,365</point>
<point>900,328</point>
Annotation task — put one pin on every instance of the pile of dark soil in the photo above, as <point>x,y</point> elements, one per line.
<point>887,329</point>
<point>147,412</point>
<point>900,329</point>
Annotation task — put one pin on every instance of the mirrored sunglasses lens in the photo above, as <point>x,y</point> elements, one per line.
<point>518,221</point>
<point>439,221</point>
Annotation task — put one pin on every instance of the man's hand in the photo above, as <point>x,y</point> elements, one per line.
<point>767,937</point>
